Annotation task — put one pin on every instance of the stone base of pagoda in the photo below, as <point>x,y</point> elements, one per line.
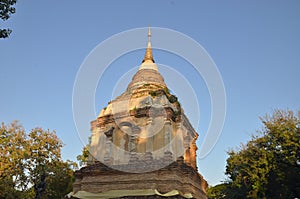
<point>178,177</point>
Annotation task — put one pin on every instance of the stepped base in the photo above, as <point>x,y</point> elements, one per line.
<point>178,178</point>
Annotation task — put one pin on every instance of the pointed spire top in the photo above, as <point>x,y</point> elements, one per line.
<point>149,35</point>
<point>148,55</point>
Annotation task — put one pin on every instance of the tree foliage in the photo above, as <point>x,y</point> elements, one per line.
<point>85,153</point>
<point>268,166</point>
<point>218,192</point>
<point>6,10</point>
<point>25,158</point>
<point>83,158</point>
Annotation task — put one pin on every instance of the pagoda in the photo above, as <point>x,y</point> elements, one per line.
<point>142,144</point>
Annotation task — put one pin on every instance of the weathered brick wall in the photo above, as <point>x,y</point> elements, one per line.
<point>179,176</point>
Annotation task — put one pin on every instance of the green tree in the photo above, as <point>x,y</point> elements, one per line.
<point>268,166</point>
<point>85,153</point>
<point>83,158</point>
<point>11,166</point>
<point>59,180</point>
<point>6,10</point>
<point>25,158</point>
<point>217,192</point>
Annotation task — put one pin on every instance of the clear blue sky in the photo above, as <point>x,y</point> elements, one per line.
<point>255,45</point>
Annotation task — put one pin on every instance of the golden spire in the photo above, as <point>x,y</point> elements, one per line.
<point>148,54</point>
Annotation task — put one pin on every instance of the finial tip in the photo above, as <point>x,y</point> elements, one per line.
<point>149,32</point>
